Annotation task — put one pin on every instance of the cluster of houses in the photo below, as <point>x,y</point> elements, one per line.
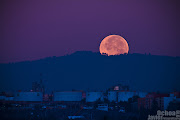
<point>115,94</point>
<point>162,100</point>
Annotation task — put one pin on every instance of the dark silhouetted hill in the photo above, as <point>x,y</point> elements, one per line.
<point>87,70</point>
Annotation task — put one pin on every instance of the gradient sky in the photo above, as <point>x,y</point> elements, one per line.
<point>34,29</point>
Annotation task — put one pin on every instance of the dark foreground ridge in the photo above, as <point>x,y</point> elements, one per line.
<point>85,70</point>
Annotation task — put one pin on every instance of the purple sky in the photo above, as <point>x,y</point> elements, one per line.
<point>34,29</point>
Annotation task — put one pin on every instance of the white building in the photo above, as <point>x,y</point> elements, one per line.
<point>167,100</point>
<point>28,96</point>
<point>125,95</point>
<point>94,96</point>
<point>141,94</point>
<point>6,98</point>
<point>68,96</point>
<point>103,107</point>
<point>2,97</point>
<point>9,98</point>
<point>112,96</point>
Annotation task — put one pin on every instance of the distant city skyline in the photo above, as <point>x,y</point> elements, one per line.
<point>31,30</point>
<point>89,59</point>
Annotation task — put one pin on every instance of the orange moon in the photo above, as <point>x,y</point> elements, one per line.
<point>113,45</point>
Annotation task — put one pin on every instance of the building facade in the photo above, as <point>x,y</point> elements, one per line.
<point>28,96</point>
<point>141,94</point>
<point>162,101</point>
<point>68,96</point>
<point>113,96</point>
<point>94,96</point>
<point>125,95</point>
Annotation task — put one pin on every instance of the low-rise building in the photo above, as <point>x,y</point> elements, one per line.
<point>94,96</point>
<point>113,96</point>
<point>68,96</point>
<point>9,98</point>
<point>141,94</point>
<point>162,100</point>
<point>28,96</point>
<point>2,97</point>
<point>167,100</point>
<point>118,96</point>
<point>177,94</point>
<point>6,97</point>
<point>125,95</point>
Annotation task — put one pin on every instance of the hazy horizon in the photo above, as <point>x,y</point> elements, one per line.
<point>79,51</point>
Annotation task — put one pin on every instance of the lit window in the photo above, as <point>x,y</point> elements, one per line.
<point>116,88</point>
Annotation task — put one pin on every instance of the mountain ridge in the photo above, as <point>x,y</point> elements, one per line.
<point>86,70</point>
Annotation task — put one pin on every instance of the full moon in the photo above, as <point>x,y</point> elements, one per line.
<point>113,45</point>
